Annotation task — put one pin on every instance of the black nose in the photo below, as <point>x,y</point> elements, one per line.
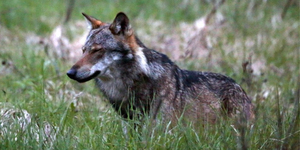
<point>72,73</point>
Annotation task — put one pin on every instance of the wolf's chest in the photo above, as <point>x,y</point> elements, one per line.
<point>114,90</point>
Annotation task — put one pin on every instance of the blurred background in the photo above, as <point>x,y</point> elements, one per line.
<point>231,37</point>
<point>256,42</point>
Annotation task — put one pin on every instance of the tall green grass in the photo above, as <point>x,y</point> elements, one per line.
<point>68,115</point>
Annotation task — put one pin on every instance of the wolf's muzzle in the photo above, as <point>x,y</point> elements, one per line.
<point>73,74</point>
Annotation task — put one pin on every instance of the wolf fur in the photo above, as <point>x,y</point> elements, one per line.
<point>139,81</point>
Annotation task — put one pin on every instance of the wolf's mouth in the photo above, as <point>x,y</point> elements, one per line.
<point>81,80</point>
<point>89,78</point>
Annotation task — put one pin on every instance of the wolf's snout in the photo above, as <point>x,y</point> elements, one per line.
<point>72,73</point>
<point>82,75</point>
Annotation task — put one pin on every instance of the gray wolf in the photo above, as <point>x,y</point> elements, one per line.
<point>139,81</point>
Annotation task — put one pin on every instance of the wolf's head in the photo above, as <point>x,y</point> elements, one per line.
<point>107,46</point>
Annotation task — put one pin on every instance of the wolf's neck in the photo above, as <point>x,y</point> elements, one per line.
<point>141,61</point>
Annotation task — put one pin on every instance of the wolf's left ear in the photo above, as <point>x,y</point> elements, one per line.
<point>121,25</point>
<point>93,22</point>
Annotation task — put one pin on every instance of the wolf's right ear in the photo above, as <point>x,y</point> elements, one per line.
<point>93,22</point>
<point>121,25</point>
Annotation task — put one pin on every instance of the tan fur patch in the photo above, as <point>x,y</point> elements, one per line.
<point>132,43</point>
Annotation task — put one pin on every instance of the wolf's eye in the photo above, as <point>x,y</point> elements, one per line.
<point>96,48</point>
<point>83,49</point>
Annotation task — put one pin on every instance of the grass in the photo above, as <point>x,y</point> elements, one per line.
<point>68,115</point>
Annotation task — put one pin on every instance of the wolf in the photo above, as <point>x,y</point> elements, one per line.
<point>139,81</point>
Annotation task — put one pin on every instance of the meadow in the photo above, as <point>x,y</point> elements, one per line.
<point>254,42</point>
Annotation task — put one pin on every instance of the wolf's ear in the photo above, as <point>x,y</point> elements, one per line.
<point>93,22</point>
<point>121,25</point>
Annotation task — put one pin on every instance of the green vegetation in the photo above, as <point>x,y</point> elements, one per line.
<point>41,108</point>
